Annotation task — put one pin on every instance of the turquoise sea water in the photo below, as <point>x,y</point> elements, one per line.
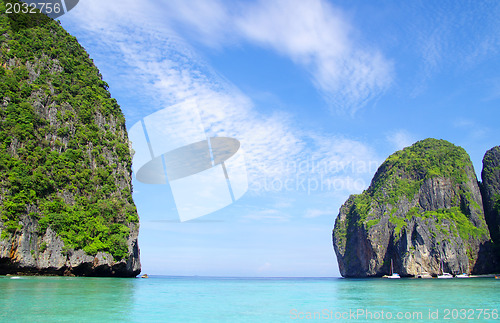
<point>202,299</point>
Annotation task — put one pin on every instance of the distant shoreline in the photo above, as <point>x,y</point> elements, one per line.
<point>246,277</point>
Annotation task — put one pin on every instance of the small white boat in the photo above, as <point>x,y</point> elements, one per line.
<point>424,275</point>
<point>393,275</point>
<point>445,276</point>
<point>463,275</point>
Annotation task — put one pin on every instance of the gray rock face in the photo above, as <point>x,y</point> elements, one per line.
<point>490,188</point>
<point>21,255</point>
<point>66,204</point>
<point>423,210</point>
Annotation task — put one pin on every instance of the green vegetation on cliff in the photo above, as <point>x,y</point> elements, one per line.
<point>424,207</point>
<point>401,177</point>
<point>458,223</point>
<point>402,174</point>
<point>490,189</point>
<point>64,154</point>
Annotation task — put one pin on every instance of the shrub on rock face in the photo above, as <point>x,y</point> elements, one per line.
<point>423,210</point>
<point>65,166</point>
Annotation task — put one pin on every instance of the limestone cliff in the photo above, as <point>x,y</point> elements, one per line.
<point>490,188</point>
<point>423,210</point>
<point>65,167</point>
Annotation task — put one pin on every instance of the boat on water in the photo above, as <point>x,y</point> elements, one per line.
<point>393,275</point>
<point>445,276</point>
<point>424,275</point>
<point>463,275</point>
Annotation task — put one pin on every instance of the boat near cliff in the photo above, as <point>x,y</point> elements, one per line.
<point>393,275</point>
<point>445,276</point>
<point>424,275</point>
<point>423,208</point>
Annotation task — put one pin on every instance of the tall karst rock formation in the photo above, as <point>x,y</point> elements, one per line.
<point>423,211</point>
<point>65,167</point>
<point>490,188</point>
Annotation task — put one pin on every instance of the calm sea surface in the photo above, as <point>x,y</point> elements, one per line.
<point>202,299</point>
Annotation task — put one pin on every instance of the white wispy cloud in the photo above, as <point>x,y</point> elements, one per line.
<point>449,35</point>
<point>267,215</point>
<point>474,130</point>
<point>160,67</point>
<point>315,213</point>
<point>401,139</point>
<point>313,34</point>
<point>209,21</point>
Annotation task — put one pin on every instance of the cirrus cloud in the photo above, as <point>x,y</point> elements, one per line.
<point>313,34</point>
<point>162,69</point>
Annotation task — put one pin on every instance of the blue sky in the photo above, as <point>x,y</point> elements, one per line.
<point>317,92</point>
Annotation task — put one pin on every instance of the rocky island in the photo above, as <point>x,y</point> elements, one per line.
<point>66,203</point>
<point>490,189</point>
<point>426,212</point>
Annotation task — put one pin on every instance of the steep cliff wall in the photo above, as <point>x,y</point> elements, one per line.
<point>490,188</point>
<point>65,167</point>
<point>423,210</point>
